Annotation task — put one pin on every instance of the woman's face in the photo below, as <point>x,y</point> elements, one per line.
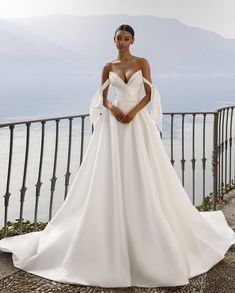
<point>123,40</point>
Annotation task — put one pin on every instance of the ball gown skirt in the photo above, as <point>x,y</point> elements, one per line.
<point>127,220</point>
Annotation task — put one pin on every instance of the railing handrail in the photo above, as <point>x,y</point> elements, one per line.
<point>85,115</point>
<point>42,120</point>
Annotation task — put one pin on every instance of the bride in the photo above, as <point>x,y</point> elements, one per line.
<point>127,220</point>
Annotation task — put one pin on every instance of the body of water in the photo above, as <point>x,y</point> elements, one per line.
<point>31,98</point>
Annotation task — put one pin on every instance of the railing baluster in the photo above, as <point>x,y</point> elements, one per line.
<point>54,178</point>
<point>222,159</point>
<point>182,144</point>
<point>204,157</point>
<point>215,159</point>
<point>68,173</point>
<point>172,133</point>
<point>226,148</point>
<point>230,148</point>
<point>219,152</point>
<point>193,160</point>
<point>39,183</point>
<point>7,193</point>
<point>24,188</point>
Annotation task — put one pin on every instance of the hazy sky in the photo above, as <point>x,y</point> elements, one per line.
<point>214,15</point>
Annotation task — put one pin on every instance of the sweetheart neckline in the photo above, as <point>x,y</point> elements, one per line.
<point>126,83</point>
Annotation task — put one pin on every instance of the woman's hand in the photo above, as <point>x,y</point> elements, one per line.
<point>117,112</point>
<point>129,116</point>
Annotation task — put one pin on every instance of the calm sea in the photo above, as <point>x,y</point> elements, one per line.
<point>40,97</point>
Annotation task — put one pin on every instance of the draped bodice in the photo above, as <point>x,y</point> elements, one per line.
<point>129,90</point>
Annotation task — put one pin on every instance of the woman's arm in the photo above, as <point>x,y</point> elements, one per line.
<point>147,74</point>
<point>105,76</point>
<point>116,111</point>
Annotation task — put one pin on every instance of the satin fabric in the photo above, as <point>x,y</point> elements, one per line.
<point>96,106</point>
<point>127,220</point>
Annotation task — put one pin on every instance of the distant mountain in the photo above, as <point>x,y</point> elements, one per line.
<point>25,52</point>
<point>80,45</point>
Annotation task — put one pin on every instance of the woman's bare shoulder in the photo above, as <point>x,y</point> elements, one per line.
<point>106,68</point>
<point>143,61</point>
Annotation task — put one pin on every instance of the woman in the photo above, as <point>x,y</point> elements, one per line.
<point>127,220</point>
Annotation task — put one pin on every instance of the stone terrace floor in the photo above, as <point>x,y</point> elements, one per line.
<point>219,279</point>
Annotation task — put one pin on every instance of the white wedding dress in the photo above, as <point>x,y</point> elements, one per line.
<point>127,220</point>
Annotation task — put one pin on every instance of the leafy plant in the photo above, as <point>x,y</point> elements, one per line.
<point>207,203</point>
<point>13,227</point>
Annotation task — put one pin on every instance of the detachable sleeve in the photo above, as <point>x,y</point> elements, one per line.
<point>96,105</point>
<point>156,109</point>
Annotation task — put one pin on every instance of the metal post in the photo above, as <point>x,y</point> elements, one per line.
<point>215,159</point>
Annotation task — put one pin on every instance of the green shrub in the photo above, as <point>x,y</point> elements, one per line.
<point>207,203</point>
<point>13,227</point>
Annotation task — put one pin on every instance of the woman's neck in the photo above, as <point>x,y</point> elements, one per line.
<point>125,56</point>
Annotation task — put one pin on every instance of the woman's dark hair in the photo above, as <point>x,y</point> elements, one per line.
<point>125,27</point>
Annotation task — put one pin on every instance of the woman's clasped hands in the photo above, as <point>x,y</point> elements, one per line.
<point>121,116</point>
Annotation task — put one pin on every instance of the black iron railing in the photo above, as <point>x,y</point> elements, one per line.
<point>222,151</point>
